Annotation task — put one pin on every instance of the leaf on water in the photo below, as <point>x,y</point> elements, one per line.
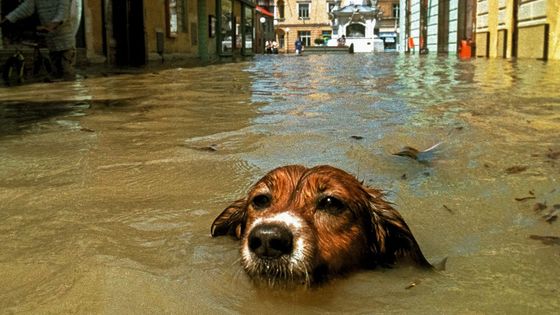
<point>516,169</point>
<point>539,206</point>
<point>408,152</point>
<point>551,216</point>
<point>547,240</point>
<point>209,148</point>
<point>416,154</point>
<point>412,284</point>
<point>448,209</point>
<point>553,155</point>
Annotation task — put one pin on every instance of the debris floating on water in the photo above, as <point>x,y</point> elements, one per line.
<point>412,284</point>
<point>547,240</point>
<point>416,154</point>
<point>357,137</point>
<point>553,155</point>
<point>539,206</point>
<point>551,216</point>
<point>525,198</point>
<point>516,169</point>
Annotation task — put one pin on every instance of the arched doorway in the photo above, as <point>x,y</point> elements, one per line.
<point>356,30</point>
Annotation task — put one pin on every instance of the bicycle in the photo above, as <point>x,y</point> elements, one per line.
<point>14,70</point>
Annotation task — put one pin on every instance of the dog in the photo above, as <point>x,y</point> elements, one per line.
<point>303,226</point>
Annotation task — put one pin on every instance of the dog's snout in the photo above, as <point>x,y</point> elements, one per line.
<point>270,240</point>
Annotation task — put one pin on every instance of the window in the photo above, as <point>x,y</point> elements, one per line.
<point>175,17</point>
<point>303,10</point>
<point>305,37</point>
<point>395,10</point>
<point>280,7</point>
<point>248,30</point>
<point>326,34</point>
<point>226,31</point>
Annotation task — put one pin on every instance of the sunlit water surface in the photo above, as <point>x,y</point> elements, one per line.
<point>108,185</point>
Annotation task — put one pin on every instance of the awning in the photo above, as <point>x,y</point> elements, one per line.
<point>264,11</point>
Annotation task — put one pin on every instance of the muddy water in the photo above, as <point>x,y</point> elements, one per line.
<point>108,185</point>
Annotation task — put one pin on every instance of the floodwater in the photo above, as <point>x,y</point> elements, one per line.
<point>108,185</point>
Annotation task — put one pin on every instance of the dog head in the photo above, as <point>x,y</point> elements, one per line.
<point>303,225</point>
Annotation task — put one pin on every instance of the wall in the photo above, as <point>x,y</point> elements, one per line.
<point>155,20</point>
<point>538,29</point>
<point>93,30</point>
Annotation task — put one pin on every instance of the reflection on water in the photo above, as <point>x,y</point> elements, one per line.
<point>109,185</point>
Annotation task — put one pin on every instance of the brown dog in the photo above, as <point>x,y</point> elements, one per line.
<point>303,225</point>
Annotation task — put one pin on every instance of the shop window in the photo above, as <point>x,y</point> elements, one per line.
<point>305,37</point>
<point>226,33</point>
<point>248,30</point>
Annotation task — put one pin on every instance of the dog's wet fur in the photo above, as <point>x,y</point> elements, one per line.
<point>300,225</point>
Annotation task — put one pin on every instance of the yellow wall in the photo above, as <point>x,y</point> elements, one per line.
<point>318,21</point>
<point>154,14</point>
<point>531,30</point>
<point>553,12</point>
<point>93,30</point>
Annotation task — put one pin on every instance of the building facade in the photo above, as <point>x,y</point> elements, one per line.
<point>312,21</point>
<point>306,19</point>
<point>436,26</point>
<point>388,23</point>
<point>518,28</point>
<point>134,32</point>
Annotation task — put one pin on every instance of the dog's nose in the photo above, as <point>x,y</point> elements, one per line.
<point>270,240</point>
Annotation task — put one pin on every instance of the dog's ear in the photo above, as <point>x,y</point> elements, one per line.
<point>232,220</point>
<point>391,238</point>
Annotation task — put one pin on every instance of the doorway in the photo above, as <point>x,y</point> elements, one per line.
<point>128,32</point>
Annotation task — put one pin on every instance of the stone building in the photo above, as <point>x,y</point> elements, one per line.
<point>134,32</point>
<point>306,19</point>
<point>435,26</point>
<point>388,23</point>
<point>518,28</point>
<point>312,20</point>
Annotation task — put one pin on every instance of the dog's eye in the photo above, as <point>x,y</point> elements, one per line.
<point>331,205</point>
<point>261,201</point>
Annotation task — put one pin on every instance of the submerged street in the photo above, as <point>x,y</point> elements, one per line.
<point>109,184</point>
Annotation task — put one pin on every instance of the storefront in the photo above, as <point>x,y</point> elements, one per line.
<point>389,40</point>
<point>235,23</point>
